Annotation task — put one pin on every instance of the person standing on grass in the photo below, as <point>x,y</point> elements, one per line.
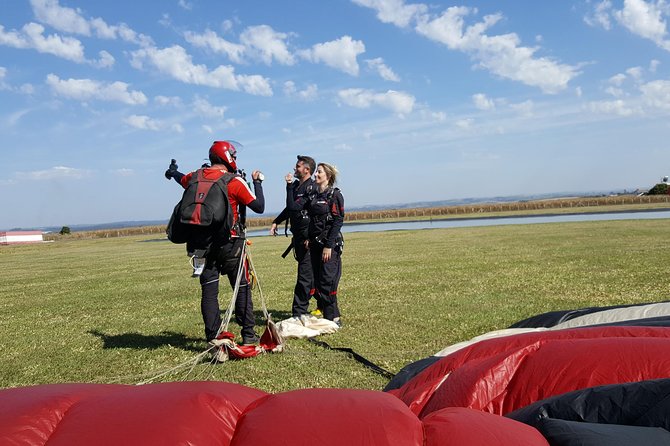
<point>224,254</point>
<point>325,208</point>
<point>299,220</point>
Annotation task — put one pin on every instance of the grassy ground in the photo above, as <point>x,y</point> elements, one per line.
<point>122,309</point>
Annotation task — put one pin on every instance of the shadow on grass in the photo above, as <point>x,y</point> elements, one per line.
<point>276,315</point>
<point>141,341</point>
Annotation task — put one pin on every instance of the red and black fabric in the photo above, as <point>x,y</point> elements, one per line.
<point>460,426</point>
<point>641,403</point>
<point>501,375</point>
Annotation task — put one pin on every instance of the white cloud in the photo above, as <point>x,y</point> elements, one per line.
<point>143,122</point>
<point>87,89</point>
<point>399,102</point>
<point>464,124</point>
<point>657,94</point>
<point>265,44</point>
<point>653,65</point>
<point>308,94</point>
<point>384,71</point>
<point>617,79</point>
<point>204,108</point>
<point>72,21</point>
<point>645,19</point>
<point>615,91</point>
<point>124,172</point>
<point>256,42</point>
<point>174,101</point>
<point>27,89</point>
<point>106,60</point>
<point>210,40</point>
<point>186,5</point>
<point>601,15</point>
<point>208,129</point>
<point>175,62</point>
<point>340,54</point>
<point>500,54</point>
<point>482,102</point>
<point>617,107</point>
<point>635,72</point>
<point>55,173</point>
<point>525,108</point>
<point>31,37</point>
<point>59,17</point>
<point>394,11</point>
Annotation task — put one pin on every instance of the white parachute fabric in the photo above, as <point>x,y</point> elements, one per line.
<point>306,326</point>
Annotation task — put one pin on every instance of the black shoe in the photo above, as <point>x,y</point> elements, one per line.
<point>250,341</point>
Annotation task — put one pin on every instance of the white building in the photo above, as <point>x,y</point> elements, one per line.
<point>15,237</point>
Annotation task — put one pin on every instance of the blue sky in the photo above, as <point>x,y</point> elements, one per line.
<point>412,101</point>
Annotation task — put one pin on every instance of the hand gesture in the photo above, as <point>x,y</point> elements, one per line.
<point>172,169</point>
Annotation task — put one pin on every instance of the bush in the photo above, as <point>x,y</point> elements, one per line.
<point>659,189</point>
<point>64,230</point>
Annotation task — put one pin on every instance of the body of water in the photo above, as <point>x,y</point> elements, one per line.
<point>492,221</point>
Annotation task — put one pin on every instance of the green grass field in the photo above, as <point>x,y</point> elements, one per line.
<point>123,309</point>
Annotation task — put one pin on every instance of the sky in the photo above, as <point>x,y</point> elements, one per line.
<point>411,101</point>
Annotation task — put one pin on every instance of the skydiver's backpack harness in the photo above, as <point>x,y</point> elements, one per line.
<point>203,215</point>
<point>299,222</point>
<point>327,218</point>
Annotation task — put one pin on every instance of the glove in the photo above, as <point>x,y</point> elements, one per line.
<point>172,169</point>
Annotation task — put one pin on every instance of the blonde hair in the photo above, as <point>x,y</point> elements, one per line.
<point>331,171</point>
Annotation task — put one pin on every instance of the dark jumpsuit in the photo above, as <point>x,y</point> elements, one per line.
<point>299,221</point>
<point>326,216</point>
<point>223,257</point>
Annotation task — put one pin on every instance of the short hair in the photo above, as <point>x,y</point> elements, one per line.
<point>309,161</point>
<point>331,171</point>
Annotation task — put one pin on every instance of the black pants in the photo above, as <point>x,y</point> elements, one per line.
<point>305,281</point>
<point>326,279</point>
<point>226,260</point>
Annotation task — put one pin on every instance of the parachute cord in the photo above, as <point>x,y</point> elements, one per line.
<point>231,307</point>
<point>258,284</point>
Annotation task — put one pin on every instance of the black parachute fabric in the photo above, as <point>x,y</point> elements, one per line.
<point>643,403</point>
<point>573,433</point>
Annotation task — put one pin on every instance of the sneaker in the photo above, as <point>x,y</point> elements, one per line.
<point>250,341</point>
<point>198,265</point>
<point>338,322</point>
<point>316,313</point>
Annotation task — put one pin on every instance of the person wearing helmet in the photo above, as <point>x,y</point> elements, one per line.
<point>299,221</point>
<point>223,256</point>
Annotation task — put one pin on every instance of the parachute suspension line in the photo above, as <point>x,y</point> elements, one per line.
<point>258,283</point>
<point>190,364</point>
<point>231,306</point>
